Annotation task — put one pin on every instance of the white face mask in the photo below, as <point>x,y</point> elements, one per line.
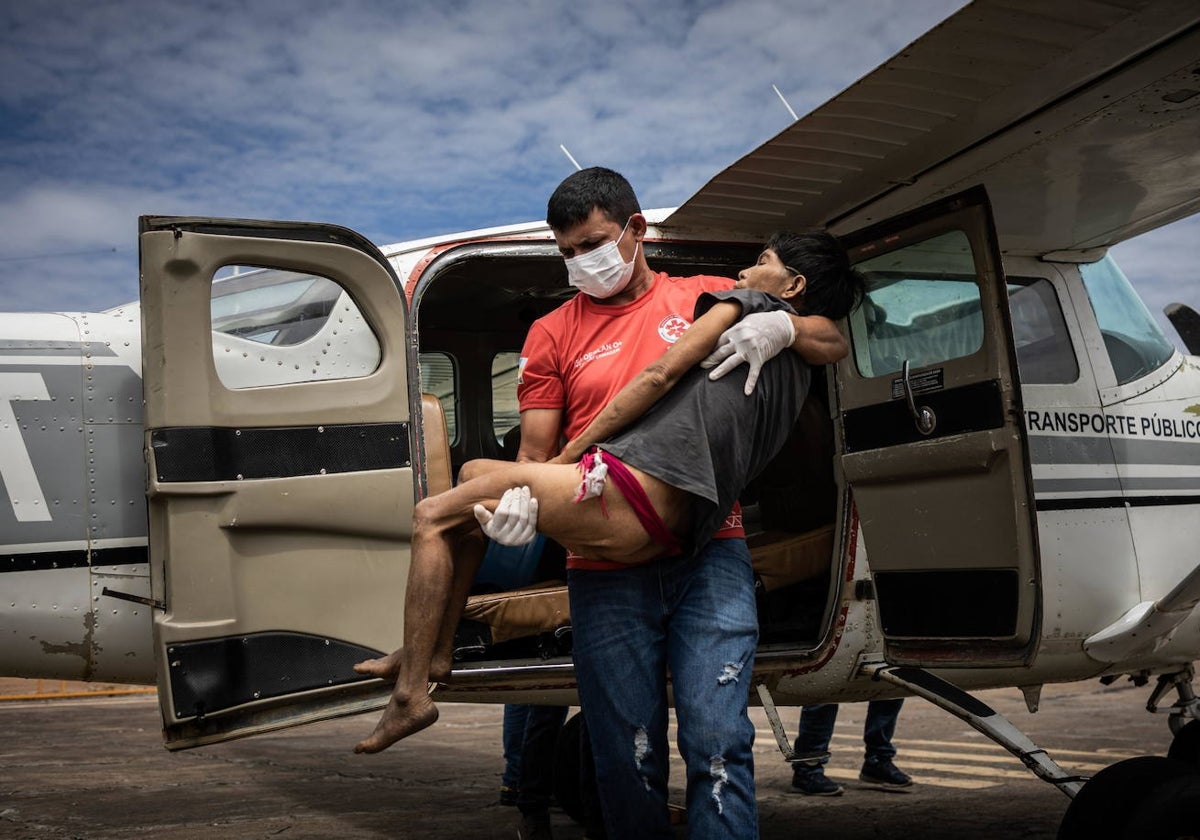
<point>601,273</point>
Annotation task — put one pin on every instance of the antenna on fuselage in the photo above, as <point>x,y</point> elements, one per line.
<point>785,103</point>
<point>570,157</point>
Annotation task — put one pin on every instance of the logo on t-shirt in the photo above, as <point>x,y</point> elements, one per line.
<point>609,348</point>
<point>672,327</point>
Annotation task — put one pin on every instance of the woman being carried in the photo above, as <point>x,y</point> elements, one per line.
<point>676,447</point>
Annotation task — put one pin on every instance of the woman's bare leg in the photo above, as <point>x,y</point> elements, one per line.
<point>468,553</point>
<point>584,527</point>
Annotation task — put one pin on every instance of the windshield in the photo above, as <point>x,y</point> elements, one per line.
<point>1135,343</point>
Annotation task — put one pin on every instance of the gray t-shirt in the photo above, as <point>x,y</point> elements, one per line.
<point>708,438</point>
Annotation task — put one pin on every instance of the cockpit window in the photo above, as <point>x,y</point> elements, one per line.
<point>1135,344</point>
<point>506,414</point>
<point>273,327</point>
<point>1044,353</point>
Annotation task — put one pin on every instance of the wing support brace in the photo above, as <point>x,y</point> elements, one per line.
<point>1148,626</point>
<point>792,757</point>
<point>980,717</point>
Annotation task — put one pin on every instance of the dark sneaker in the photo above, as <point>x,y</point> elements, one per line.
<point>534,827</point>
<point>508,796</point>
<point>814,783</point>
<point>881,772</point>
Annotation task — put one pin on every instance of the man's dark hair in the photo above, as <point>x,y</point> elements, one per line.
<point>582,191</point>
<point>833,288</point>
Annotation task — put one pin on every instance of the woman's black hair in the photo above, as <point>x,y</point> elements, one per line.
<point>583,191</point>
<point>833,288</point>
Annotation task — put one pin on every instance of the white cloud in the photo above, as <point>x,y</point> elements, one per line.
<point>399,120</point>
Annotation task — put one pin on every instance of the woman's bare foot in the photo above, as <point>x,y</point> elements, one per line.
<point>385,667</point>
<point>399,721</point>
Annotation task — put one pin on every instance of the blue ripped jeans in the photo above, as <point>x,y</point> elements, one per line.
<point>696,618</point>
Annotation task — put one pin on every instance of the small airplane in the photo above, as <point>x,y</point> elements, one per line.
<point>1000,486</point>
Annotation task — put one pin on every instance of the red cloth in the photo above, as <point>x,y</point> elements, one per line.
<point>580,355</point>
<point>628,486</point>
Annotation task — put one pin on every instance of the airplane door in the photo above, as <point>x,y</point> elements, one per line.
<point>933,442</point>
<point>280,476</point>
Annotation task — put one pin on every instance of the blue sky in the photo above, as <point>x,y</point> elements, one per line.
<point>401,120</point>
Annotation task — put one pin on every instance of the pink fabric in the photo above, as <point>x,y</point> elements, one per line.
<point>638,500</point>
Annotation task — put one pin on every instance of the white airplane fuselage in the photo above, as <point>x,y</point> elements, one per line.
<point>1115,469</point>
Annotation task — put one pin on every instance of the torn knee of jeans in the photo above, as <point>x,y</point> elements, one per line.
<point>720,778</point>
<point>641,749</point>
<point>729,674</point>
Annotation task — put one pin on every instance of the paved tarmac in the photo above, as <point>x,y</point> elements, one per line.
<point>95,768</point>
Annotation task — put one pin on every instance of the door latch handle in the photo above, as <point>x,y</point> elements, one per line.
<point>923,417</point>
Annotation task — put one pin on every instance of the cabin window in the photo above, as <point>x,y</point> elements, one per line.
<point>922,305</point>
<point>1044,352</point>
<point>1135,344</point>
<point>506,415</point>
<point>439,377</point>
<point>275,327</point>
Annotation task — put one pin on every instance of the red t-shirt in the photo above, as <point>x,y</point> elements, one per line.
<point>580,355</point>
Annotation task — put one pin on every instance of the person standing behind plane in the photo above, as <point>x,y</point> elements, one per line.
<point>692,615</point>
<point>816,730</point>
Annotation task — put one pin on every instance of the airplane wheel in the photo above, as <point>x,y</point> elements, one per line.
<point>1185,746</point>
<point>1170,812</point>
<point>1104,806</point>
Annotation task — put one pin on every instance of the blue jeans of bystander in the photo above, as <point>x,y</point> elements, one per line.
<point>816,727</point>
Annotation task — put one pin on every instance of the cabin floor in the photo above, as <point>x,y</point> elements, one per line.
<point>95,768</point>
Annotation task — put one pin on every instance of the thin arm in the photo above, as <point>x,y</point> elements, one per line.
<point>656,379</point>
<point>818,340</point>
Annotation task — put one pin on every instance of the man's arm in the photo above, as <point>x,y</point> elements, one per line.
<point>761,336</point>
<point>656,379</point>
<point>818,340</point>
<point>541,429</point>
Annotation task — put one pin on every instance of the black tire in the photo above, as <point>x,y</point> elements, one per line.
<point>1170,812</point>
<point>1103,808</point>
<point>1185,746</point>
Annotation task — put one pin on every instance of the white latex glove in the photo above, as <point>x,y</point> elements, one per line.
<point>755,339</point>
<point>515,519</point>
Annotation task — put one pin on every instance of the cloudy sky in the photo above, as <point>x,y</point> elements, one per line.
<point>401,120</point>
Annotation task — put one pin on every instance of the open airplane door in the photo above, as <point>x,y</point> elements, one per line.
<point>933,441</point>
<point>281,486</point>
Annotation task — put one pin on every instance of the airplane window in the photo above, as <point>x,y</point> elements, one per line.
<point>438,377</point>
<point>274,327</point>
<point>922,305</point>
<point>1044,353</point>
<point>1135,344</point>
<point>506,416</point>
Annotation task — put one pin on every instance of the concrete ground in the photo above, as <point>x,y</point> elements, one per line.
<point>94,767</point>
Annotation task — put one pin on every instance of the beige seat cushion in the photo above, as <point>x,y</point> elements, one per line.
<point>780,558</point>
<point>438,474</point>
<point>521,612</point>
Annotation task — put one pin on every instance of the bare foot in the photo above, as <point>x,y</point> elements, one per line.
<point>399,721</point>
<point>385,667</point>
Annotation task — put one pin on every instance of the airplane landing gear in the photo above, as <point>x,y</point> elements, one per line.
<point>1187,706</point>
<point>1145,798</point>
<point>1150,797</point>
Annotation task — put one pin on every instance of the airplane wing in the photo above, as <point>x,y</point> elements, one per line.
<point>1081,119</point>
